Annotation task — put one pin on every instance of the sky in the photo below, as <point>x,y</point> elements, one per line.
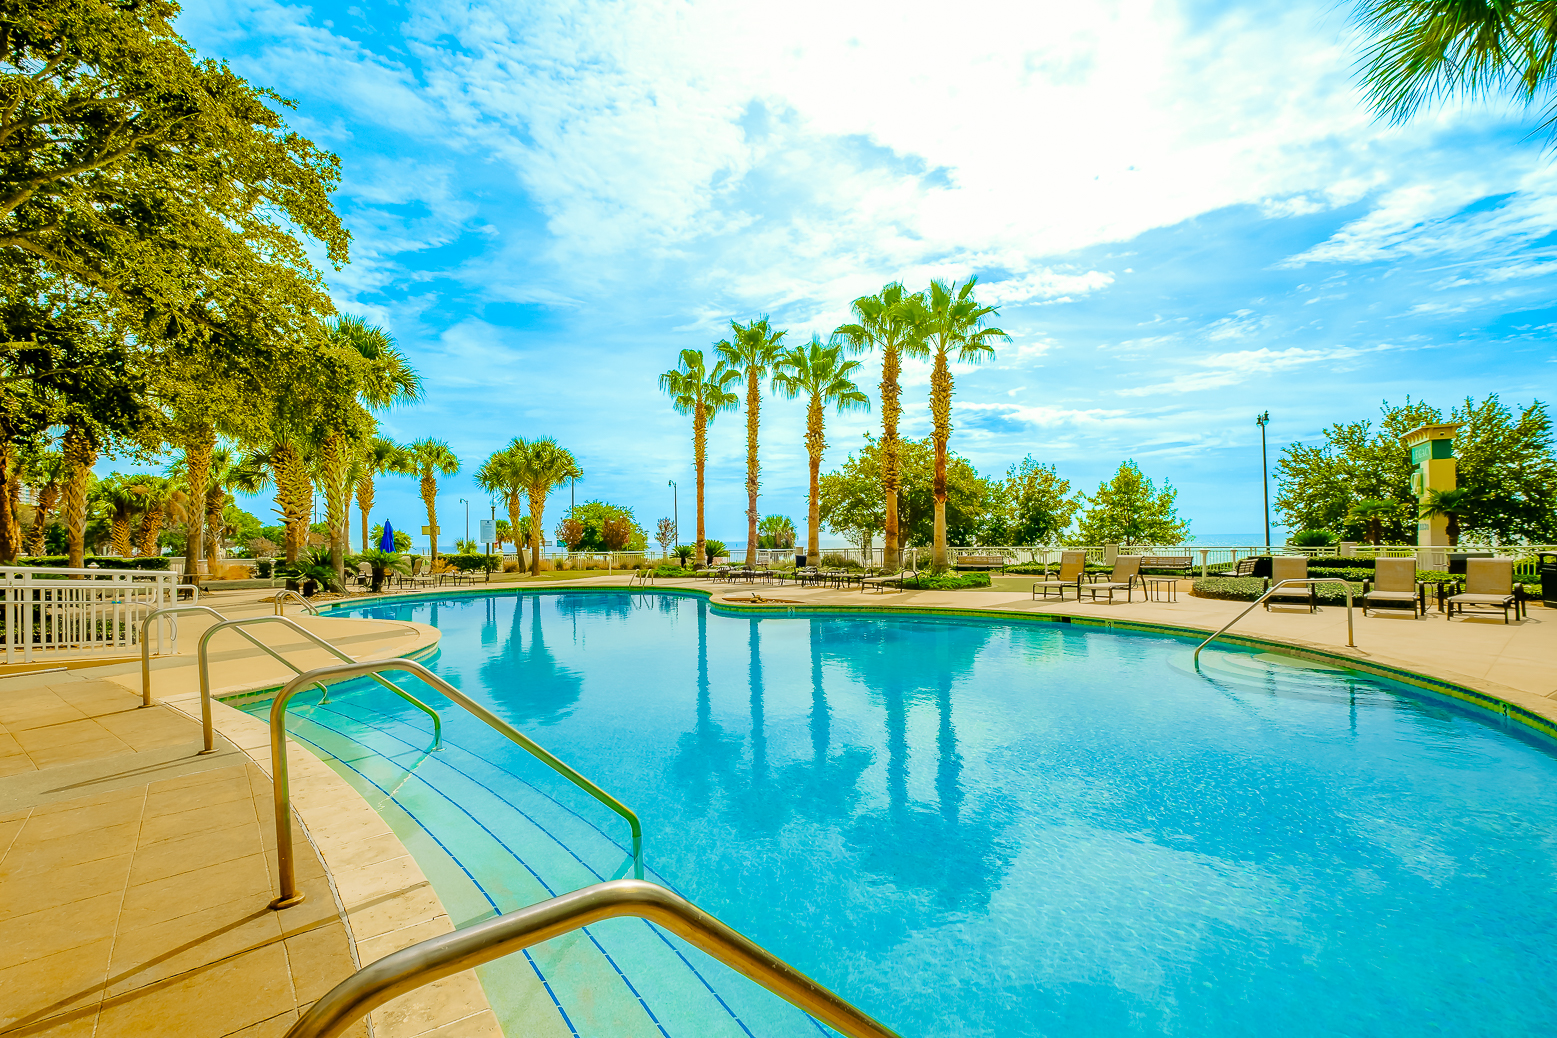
<point>1184,211</point>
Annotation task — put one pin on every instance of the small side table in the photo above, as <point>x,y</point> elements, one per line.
<point>1160,589</point>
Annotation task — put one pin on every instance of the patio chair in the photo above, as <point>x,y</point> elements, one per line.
<point>1291,567</point>
<point>1394,581</point>
<point>418,576</point>
<point>1126,569</point>
<point>1073,567</point>
<point>1488,582</point>
<point>886,580</point>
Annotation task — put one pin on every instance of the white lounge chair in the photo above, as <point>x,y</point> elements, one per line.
<point>1394,580</point>
<point>1291,567</point>
<point>1073,569</point>
<point>1488,582</point>
<point>1126,569</point>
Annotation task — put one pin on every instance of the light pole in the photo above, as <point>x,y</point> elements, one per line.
<point>467,519</point>
<point>1262,420</point>
<point>675,511</point>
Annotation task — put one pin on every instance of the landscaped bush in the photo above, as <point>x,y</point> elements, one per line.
<point>1028,568</point>
<point>947,582</point>
<point>511,566</point>
<point>1247,589</point>
<point>146,562</point>
<point>1313,539</point>
<point>264,567</point>
<point>472,563</point>
<point>836,561</point>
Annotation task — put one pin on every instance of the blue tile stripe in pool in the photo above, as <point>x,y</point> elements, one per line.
<point>345,734</point>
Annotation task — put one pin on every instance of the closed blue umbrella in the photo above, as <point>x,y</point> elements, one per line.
<point>387,542</point>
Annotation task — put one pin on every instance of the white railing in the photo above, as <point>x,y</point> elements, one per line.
<point>51,612</point>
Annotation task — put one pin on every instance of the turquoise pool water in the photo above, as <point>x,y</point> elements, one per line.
<point>970,827</point>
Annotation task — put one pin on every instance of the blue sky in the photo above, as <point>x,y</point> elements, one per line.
<point>1183,209</point>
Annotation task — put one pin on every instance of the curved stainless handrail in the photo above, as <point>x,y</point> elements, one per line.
<point>289,895</point>
<point>282,596</point>
<point>1350,640</point>
<point>241,622</point>
<point>431,960</point>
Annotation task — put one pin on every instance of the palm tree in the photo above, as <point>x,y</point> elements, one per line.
<point>284,461</point>
<point>503,473</point>
<point>386,378</point>
<point>123,498</point>
<point>430,459</point>
<point>950,320</point>
<point>818,371</point>
<point>381,456</point>
<point>1453,505</point>
<point>696,390</point>
<point>887,321</point>
<point>1374,513</point>
<point>752,353</point>
<point>151,496</point>
<point>1425,52</point>
<point>44,470</point>
<point>542,466</point>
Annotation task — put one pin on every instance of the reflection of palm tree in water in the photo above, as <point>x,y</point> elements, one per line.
<point>707,752</point>
<point>957,858</point>
<point>545,690</point>
<point>826,786</point>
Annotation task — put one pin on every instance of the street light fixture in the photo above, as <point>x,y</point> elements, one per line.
<point>1262,420</point>
<point>675,512</point>
<point>467,519</point>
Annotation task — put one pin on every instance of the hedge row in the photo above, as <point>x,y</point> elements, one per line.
<point>147,562</point>
<point>947,582</point>
<point>1247,589</point>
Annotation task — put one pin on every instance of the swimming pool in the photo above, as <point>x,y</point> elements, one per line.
<point>969,827</point>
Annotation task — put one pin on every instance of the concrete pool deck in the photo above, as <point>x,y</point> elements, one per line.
<point>134,874</point>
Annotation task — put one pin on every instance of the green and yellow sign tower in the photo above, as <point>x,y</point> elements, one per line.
<point>1432,468</point>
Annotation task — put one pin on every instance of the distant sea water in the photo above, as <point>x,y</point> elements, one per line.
<point>1203,540</point>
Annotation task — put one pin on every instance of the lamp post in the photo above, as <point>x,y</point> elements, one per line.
<point>675,512</point>
<point>1262,420</point>
<point>467,518</point>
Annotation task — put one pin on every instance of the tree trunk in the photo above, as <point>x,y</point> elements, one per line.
<point>365,491</point>
<point>294,498</point>
<point>816,443</point>
<point>215,500</point>
<point>197,469</point>
<point>335,474</point>
<point>699,456</point>
<point>753,403</point>
<point>537,510</point>
<point>151,528</point>
<point>940,413</point>
<point>516,525</point>
<point>48,496</point>
<point>10,496</point>
<point>122,536</point>
<point>80,455</point>
<point>430,499</point>
<point>891,409</point>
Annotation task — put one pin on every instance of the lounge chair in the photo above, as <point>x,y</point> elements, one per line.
<point>418,576</point>
<point>1488,582</point>
<point>1291,567</point>
<point>1073,568</point>
<point>884,581</point>
<point>1126,569</point>
<point>1394,580</point>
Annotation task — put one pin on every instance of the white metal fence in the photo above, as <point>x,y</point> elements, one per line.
<point>54,613</point>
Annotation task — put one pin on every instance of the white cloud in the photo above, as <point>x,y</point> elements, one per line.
<point>1226,369</point>
<point>1044,285</point>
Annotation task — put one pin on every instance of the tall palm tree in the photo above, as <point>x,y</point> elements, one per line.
<point>504,473</point>
<point>151,493</point>
<point>1423,52</point>
<point>382,456</point>
<point>430,459</point>
<point>229,471</point>
<point>541,466</point>
<point>887,321</point>
<point>819,372</point>
<point>45,471</point>
<point>123,498</point>
<point>952,321</point>
<point>751,350</point>
<point>701,392</point>
<point>386,378</point>
<point>285,460</point>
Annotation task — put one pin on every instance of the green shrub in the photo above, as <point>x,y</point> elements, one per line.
<point>145,562</point>
<point>264,568</point>
<point>836,561</point>
<point>947,582</point>
<point>1312,539</point>
<point>470,563</point>
<point>1247,589</point>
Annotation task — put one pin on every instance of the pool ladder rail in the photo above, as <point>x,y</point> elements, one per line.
<point>432,960</point>
<point>1351,640</point>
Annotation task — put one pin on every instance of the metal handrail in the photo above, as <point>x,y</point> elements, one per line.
<point>289,894</point>
<point>432,960</point>
<point>241,622</point>
<point>282,596</point>
<point>1350,640</point>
